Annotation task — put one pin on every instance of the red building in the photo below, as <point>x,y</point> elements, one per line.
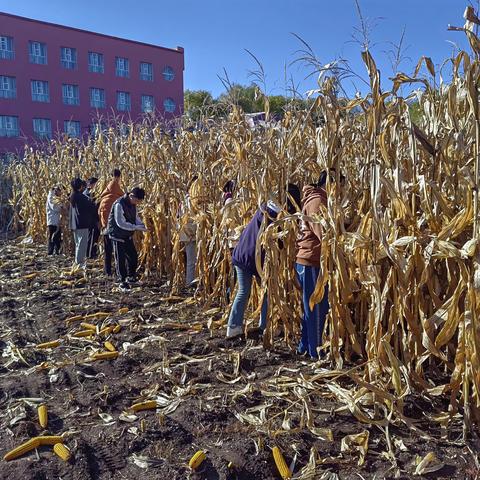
<point>56,79</point>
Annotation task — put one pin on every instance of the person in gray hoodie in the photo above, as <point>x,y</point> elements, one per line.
<point>54,211</point>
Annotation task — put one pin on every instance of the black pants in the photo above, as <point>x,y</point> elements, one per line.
<point>126,258</point>
<point>93,236</point>
<point>54,239</point>
<point>108,254</point>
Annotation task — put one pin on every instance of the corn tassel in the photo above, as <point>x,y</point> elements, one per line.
<point>104,355</point>
<point>197,459</point>
<point>138,407</point>
<point>62,451</point>
<point>281,464</point>
<point>110,347</point>
<point>42,416</point>
<point>22,449</point>
<point>52,344</point>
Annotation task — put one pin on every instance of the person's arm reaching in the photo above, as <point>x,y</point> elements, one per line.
<point>120,219</point>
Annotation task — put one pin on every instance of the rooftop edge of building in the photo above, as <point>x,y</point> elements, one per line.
<point>81,30</point>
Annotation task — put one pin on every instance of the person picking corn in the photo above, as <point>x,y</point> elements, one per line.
<point>54,210</point>
<point>307,266</point>
<point>243,259</point>
<point>123,221</point>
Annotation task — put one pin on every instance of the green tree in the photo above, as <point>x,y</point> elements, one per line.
<point>196,101</point>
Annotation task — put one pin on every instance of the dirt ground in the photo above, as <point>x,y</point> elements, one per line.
<point>235,401</point>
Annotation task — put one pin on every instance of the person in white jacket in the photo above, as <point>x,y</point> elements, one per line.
<point>54,212</point>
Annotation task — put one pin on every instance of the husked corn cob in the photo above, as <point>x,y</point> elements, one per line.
<point>30,276</point>
<point>281,464</point>
<point>106,330</point>
<point>62,451</point>
<point>74,318</point>
<point>42,416</point>
<point>123,310</point>
<point>138,407</point>
<point>197,459</point>
<point>67,283</point>
<point>52,344</point>
<point>49,439</point>
<point>109,346</point>
<point>89,326</point>
<point>84,333</point>
<point>22,449</point>
<point>104,355</point>
<point>116,328</point>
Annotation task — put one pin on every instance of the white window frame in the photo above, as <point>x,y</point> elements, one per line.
<point>97,101</point>
<point>72,132</point>
<point>6,47</point>
<point>9,126</point>
<point>40,91</point>
<point>148,74</point>
<point>38,52</point>
<point>168,73</point>
<point>46,127</point>
<point>122,67</point>
<point>8,87</point>
<point>68,94</point>
<point>99,65</point>
<point>124,106</point>
<point>152,105</point>
<point>68,57</point>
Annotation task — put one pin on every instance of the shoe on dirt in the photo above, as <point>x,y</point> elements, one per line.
<point>124,287</point>
<point>233,332</point>
<point>133,279</point>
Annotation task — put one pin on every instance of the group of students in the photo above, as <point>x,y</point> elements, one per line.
<point>115,216</point>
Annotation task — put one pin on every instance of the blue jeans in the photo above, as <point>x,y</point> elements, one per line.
<point>240,303</point>
<point>313,321</point>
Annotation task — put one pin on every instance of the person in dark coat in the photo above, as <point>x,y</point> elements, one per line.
<point>123,221</point>
<point>94,233</point>
<point>243,259</point>
<point>82,218</point>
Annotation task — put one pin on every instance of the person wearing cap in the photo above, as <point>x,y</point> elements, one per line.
<point>123,221</point>
<point>244,261</point>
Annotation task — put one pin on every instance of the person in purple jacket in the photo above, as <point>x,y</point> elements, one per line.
<point>243,259</point>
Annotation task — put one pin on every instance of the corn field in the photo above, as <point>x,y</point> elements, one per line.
<point>400,249</point>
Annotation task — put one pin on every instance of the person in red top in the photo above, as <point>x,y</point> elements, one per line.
<point>307,267</point>
<point>112,192</point>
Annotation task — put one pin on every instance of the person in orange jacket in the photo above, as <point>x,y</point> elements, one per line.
<point>112,192</point>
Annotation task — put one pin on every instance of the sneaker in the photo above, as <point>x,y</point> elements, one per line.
<point>233,332</point>
<point>132,279</point>
<point>124,287</point>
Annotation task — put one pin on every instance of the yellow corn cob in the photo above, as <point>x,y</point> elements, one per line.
<point>30,276</point>
<point>74,319</point>
<point>104,355</point>
<point>123,310</point>
<point>281,464</point>
<point>42,416</point>
<point>52,344</point>
<point>116,328</point>
<point>98,315</point>
<point>109,346</point>
<point>62,451</point>
<point>84,333</point>
<point>106,331</point>
<point>22,449</point>
<point>197,459</point>
<point>66,283</point>
<point>138,407</point>
<point>81,281</point>
<point>49,439</point>
<point>89,326</point>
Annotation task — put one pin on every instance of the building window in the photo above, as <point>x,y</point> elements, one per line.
<point>8,87</point>
<point>68,58</point>
<point>168,74</point>
<point>123,101</point>
<point>146,71</point>
<point>148,103</point>
<point>38,52</point>
<point>8,126</point>
<point>169,105</point>
<point>40,91</point>
<point>95,62</point>
<point>42,128</point>
<point>97,97</point>
<point>70,94</point>
<point>98,128</point>
<point>6,48</point>
<point>122,67</point>
<point>71,128</point>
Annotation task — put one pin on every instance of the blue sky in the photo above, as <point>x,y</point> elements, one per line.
<point>215,33</point>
